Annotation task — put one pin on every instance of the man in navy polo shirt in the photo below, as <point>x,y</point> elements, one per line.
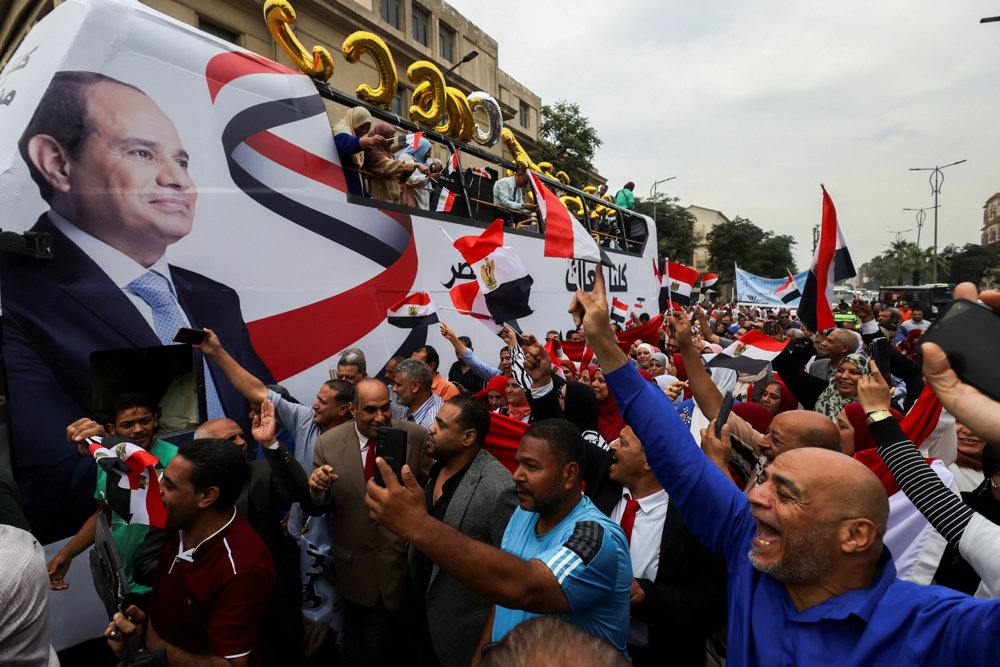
<point>214,576</point>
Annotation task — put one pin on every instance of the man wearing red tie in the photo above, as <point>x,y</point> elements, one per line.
<point>369,563</point>
<point>679,588</point>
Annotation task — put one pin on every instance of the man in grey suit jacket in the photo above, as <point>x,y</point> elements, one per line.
<point>369,562</point>
<point>471,491</point>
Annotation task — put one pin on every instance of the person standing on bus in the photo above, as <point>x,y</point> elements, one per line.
<point>625,198</point>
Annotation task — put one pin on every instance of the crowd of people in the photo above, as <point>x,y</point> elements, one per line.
<point>844,512</point>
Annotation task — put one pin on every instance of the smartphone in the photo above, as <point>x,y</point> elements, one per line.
<point>957,327</point>
<point>727,406</point>
<point>880,354</point>
<point>390,444</point>
<point>190,336</point>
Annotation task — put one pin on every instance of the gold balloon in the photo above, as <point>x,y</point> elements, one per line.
<point>361,42</point>
<point>431,108</point>
<point>545,168</point>
<point>279,15</point>
<point>520,157</point>
<point>562,177</point>
<point>573,203</point>
<point>590,189</point>
<point>466,126</point>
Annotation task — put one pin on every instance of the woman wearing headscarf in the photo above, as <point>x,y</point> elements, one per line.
<point>386,173</point>
<point>777,398</point>
<point>610,422</point>
<point>416,191</point>
<point>643,353</point>
<point>350,135</point>
<point>826,397</point>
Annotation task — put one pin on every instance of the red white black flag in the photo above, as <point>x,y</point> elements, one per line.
<point>416,310</point>
<point>832,262</point>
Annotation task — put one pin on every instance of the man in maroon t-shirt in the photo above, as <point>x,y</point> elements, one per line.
<point>214,576</point>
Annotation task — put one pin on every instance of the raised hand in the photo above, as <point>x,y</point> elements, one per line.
<point>264,426</point>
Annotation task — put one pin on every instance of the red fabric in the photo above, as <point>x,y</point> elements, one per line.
<point>754,414</point>
<point>503,439</point>
<point>875,463</point>
<point>370,460</point>
<point>908,345</point>
<point>682,373</point>
<point>645,375</point>
<point>628,517</point>
<point>863,439</point>
<point>824,264</point>
<point>923,416</point>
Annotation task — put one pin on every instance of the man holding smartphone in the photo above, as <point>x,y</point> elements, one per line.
<point>560,554</point>
<point>369,564</point>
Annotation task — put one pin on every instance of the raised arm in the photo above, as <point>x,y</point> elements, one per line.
<point>706,394</point>
<point>704,327</point>
<point>250,386</point>
<point>942,508</point>
<point>496,575</point>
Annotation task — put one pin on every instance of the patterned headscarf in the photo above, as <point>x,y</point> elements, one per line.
<point>831,401</point>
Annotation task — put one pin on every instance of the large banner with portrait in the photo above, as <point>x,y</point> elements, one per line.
<point>753,290</point>
<point>141,146</point>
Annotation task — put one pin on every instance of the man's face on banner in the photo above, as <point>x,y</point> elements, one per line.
<point>131,179</point>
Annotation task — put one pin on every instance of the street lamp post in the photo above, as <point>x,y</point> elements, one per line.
<point>921,216</point>
<point>652,194</point>
<point>936,179</point>
<point>468,56</point>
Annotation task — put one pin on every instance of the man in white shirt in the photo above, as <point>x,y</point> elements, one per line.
<point>114,172</point>
<point>412,384</point>
<point>679,588</point>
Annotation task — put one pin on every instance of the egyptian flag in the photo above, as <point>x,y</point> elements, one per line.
<point>832,262</point>
<point>414,311</point>
<point>789,291</point>
<point>750,353</point>
<point>676,285</point>
<point>412,141</point>
<point>502,278</point>
<point>708,279</point>
<point>468,300</point>
<point>133,487</point>
<point>447,198</point>
<point>479,171</point>
<point>564,236</point>
<point>619,311</point>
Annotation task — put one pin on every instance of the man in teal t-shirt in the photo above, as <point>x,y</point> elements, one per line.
<point>132,417</point>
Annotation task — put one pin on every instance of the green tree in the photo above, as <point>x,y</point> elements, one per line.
<point>674,227</point>
<point>905,263</point>
<point>567,140</point>
<point>972,262</point>
<point>741,242</point>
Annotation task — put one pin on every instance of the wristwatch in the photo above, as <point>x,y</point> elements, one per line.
<point>877,416</point>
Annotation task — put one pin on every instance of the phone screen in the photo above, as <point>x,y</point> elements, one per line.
<point>190,336</point>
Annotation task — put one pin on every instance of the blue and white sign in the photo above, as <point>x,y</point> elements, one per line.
<point>753,290</point>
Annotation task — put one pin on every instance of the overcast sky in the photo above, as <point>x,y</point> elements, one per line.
<point>752,105</point>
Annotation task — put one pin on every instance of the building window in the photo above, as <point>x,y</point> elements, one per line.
<point>420,20</point>
<point>396,105</point>
<point>390,12</point>
<point>218,31</point>
<point>522,114</point>
<point>446,40</point>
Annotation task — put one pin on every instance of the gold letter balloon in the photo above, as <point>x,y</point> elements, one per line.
<point>362,42</point>
<point>279,15</point>
<point>428,97</point>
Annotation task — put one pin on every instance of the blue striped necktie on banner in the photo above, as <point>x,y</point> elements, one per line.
<point>155,291</point>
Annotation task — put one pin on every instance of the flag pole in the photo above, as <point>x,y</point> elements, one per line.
<point>735,283</point>
<point>451,240</point>
<point>670,294</point>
